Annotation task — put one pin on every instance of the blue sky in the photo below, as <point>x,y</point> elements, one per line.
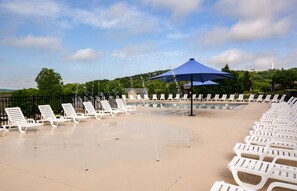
<point>105,39</point>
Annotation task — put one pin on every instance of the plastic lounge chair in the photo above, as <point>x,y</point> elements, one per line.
<point>193,96</point>
<point>279,142</point>
<point>124,97</point>
<point>123,107</point>
<point>262,152</point>
<point>224,97</point>
<point>107,108</point>
<point>282,99</point>
<point>199,98</point>
<point>274,99</point>
<point>131,98</point>
<point>90,111</point>
<point>145,97</point>
<point>170,97</point>
<point>47,115</point>
<point>185,97</point>
<point>70,113</point>
<point>251,98</point>
<point>267,99</point>
<point>240,97</point>
<point>263,169</point>
<point>222,186</point>
<point>259,98</point>
<point>208,97</point>
<point>154,97</point>
<point>177,97</point>
<point>17,119</point>
<point>231,98</point>
<point>138,97</point>
<point>162,97</point>
<point>216,97</point>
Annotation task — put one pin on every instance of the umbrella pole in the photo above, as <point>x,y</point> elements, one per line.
<point>191,96</point>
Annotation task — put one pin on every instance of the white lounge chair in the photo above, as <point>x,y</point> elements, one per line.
<point>162,97</point>
<point>199,98</point>
<point>267,99</point>
<point>240,97</point>
<point>282,99</point>
<point>274,99</point>
<point>231,98</point>
<point>193,97</point>
<point>185,97</point>
<point>224,97</point>
<point>279,142</point>
<point>70,113</point>
<point>251,98</point>
<point>131,98</point>
<point>170,97</point>
<point>108,109</point>
<point>90,111</point>
<point>208,97</point>
<point>263,169</point>
<point>47,115</point>
<point>145,97</point>
<point>259,98</point>
<point>177,97</point>
<point>124,97</point>
<point>216,97</point>
<point>123,107</point>
<point>17,119</point>
<point>264,151</point>
<point>222,186</point>
<point>154,97</point>
<point>138,97</point>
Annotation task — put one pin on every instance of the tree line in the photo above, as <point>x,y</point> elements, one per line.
<point>50,83</point>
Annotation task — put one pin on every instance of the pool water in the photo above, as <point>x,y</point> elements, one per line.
<point>224,106</point>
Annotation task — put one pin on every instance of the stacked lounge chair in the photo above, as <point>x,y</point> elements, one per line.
<point>276,133</point>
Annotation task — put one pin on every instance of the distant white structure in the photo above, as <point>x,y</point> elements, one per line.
<point>272,66</point>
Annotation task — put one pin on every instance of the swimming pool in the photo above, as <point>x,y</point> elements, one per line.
<point>224,106</point>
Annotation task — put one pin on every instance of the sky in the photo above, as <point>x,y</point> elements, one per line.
<point>105,39</point>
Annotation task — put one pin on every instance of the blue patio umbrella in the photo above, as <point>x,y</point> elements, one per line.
<point>192,71</point>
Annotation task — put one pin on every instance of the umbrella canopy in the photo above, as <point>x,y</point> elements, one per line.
<point>192,71</point>
<point>207,83</point>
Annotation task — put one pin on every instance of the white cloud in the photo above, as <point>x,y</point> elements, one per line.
<point>254,20</point>
<point>231,57</point>
<point>133,50</point>
<point>37,8</point>
<point>43,42</point>
<point>177,36</point>
<point>117,16</point>
<point>177,7</point>
<point>84,55</point>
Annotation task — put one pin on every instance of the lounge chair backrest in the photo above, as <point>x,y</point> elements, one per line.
<point>267,98</point>
<point>69,110</point>
<point>15,115</point>
<point>216,97</point>
<point>170,97</point>
<point>199,97</point>
<point>232,96</point>
<point>124,97</point>
<point>224,97</point>
<point>208,96</point>
<point>89,107</point>
<point>106,106</point>
<point>46,112</point>
<point>177,96</point>
<point>282,98</point>
<point>194,96</point>
<point>240,97</point>
<point>162,97</point>
<point>251,97</point>
<point>138,97</point>
<point>260,97</point>
<point>131,97</point>
<point>146,97</point>
<point>154,97</point>
<point>120,104</point>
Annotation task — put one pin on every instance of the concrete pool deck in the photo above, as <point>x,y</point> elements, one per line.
<point>119,153</point>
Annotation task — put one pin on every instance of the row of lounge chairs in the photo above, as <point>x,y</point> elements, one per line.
<point>209,97</point>
<point>273,136</point>
<point>17,119</point>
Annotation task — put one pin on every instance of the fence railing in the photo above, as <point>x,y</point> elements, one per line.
<point>29,104</point>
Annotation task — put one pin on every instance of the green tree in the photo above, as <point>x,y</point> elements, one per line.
<point>49,82</point>
<point>247,82</point>
<point>285,78</point>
